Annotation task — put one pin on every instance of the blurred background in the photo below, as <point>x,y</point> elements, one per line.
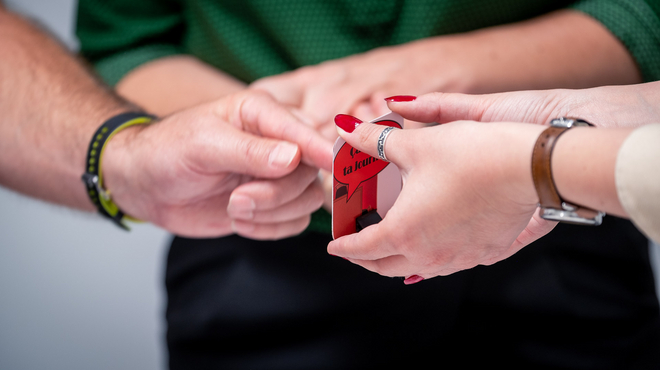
<point>75,291</point>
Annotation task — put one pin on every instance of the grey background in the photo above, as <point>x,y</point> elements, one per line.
<point>75,291</point>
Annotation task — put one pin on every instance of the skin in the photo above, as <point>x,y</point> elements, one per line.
<point>525,55</point>
<point>177,173</point>
<point>170,84</point>
<point>49,113</point>
<point>489,191</point>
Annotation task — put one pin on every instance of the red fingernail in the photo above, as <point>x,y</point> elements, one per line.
<point>413,279</point>
<point>401,98</point>
<point>346,122</point>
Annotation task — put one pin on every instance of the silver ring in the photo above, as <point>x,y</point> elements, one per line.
<point>381,142</point>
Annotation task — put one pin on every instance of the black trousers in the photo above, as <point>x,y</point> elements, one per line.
<point>580,298</point>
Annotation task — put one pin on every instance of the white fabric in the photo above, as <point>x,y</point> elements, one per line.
<point>637,177</point>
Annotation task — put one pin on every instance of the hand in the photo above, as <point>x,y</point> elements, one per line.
<point>274,209</point>
<point>467,199</point>
<point>180,173</point>
<point>358,84</point>
<point>609,106</point>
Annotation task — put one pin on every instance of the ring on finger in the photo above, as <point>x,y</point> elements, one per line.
<point>381,142</point>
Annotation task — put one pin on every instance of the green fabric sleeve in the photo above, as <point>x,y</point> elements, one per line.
<point>118,36</point>
<point>636,23</point>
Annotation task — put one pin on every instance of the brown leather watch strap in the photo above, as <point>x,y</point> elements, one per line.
<point>542,174</point>
<point>542,170</point>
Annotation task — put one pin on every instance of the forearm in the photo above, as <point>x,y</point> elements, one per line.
<point>50,107</point>
<point>564,49</point>
<point>170,84</point>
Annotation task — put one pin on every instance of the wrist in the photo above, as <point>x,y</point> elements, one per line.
<point>519,145</point>
<point>503,152</point>
<point>118,169</point>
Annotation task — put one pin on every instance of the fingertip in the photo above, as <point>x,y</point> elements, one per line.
<point>341,132</point>
<point>347,123</point>
<point>399,103</point>
<point>339,246</point>
<point>332,247</point>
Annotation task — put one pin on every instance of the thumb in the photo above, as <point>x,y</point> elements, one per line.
<point>242,152</point>
<point>263,116</point>
<point>372,243</point>
<point>364,136</point>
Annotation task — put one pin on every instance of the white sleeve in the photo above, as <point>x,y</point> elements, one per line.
<point>637,176</point>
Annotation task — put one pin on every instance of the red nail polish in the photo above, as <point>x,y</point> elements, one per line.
<point>346,122</point>
<point>413,279</point>
<point>401,98</point>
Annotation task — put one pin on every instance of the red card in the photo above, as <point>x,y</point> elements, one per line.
<point>362,183</point>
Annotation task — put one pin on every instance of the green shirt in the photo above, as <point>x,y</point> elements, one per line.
<point>251,39</point>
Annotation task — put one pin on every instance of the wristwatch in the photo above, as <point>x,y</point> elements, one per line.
<point>553,207</point>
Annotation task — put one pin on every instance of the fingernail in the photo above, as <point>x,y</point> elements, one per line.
<point>282,155</point>
<point>346,122</point>
<point>241,206</point>
<point>413,279</point>
<point>401,98</point>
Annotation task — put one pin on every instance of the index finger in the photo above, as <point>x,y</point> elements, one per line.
<point>519,106</point>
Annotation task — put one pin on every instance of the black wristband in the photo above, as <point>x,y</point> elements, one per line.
<point>93,176</point>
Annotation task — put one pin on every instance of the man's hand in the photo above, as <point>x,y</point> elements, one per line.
<point>180,172</point>
<point>358,84</point>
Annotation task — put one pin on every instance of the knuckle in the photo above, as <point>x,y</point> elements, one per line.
<point>249,149</point>
<point>252,150</point>
<point>375,249</point>
<point>401,241</point>
<point>367,136</point>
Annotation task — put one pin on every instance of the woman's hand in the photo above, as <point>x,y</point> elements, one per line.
<point>467,199</point>
<point>608,106</point>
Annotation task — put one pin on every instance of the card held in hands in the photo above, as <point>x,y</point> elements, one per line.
<point>364,187</point>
